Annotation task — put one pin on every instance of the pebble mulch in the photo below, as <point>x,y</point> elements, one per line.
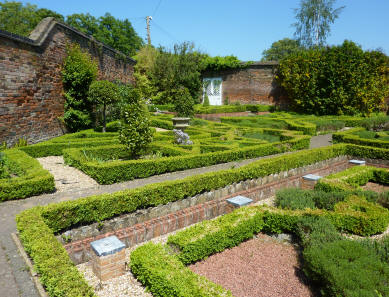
<point>66,178</point>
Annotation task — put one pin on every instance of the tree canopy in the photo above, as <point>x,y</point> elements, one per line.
<point>22,19</point>
<point>280,49</point>
<point>314,18</point>
<point>118,34</point>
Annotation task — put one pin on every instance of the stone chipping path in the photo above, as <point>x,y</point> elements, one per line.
<point>15,279</point>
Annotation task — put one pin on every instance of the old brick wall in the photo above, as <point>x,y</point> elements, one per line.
<point>255,84</point>
<point>31,93</point>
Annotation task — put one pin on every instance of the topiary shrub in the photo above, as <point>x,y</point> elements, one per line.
<point>335,80</point>
<point>103,92</point>
<point>135,132</point>
<point>206,100</point>
<point>183,103</point>
<point>78,72</point>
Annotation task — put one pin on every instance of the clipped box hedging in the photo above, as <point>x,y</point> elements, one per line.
<point>60,278</point>
<point>55,146</point>
<point>164,275</point>
<point>349,137</point>
<point>32,179</point>
<point>123,170</point>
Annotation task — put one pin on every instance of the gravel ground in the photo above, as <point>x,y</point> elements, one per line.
<point>259,267</point>
<point>66,178</point>
<point>375,187</point>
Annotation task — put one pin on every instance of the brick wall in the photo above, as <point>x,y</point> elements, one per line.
<point>31,94</point>
<point>252,85</point>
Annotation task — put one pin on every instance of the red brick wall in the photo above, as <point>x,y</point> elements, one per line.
<point>31,94</point>
<point>252,85</point>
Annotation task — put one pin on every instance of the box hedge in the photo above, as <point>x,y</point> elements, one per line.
<point>31,178</point>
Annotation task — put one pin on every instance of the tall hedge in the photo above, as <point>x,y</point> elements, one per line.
<point>336,80</point>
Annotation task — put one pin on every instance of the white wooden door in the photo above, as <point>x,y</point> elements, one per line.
<point>213,88</point>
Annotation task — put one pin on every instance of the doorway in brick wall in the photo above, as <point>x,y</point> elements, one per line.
<point>213,88</point>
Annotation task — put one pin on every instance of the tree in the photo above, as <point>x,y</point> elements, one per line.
<point>314,18</point>
<point>118,34</point>
<point>280,49</point>
<point>135,132</point>
<point>22,19</point>
<point>103,92</point>
<point>78,72</point>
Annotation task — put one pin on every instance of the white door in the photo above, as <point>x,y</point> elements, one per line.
<point>213,88</point>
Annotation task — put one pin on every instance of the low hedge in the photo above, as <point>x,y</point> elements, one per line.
<point>55,146</point>
<point>56,270</point>
<point>32,179</point>
<point>164,275</point>
<point>116,171</point>
<point>38,225</point>
<point>349,137</point>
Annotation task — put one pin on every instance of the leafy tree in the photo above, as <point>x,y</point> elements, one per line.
<point>22,19</point>
<point>135,132</point>
<point>183,103</point>
<point>336,80</point>
<point>218,63</point>
<point>175,69</point>
<point>280,49</point>
<point>78,72</point>
<point>103,92</point>
<point>118,34</point>
<point>314,18</point>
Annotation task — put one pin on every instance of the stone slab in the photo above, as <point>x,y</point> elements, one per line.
<point>239,201</point>
<point>312,177</point>
<point>357,162</point>
<point>107,246</point>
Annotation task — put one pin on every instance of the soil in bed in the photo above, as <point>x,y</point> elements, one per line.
<point>263,266</point>
<point>376,187</point>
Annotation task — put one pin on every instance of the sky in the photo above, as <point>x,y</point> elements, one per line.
<point>241,28</point>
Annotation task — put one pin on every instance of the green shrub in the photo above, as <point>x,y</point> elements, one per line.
<point>135,132</point>
<point>57,272</point>
<point>31,179</point>
<point>164,275</point>
<point>346,268</point>
<point>294,199</point>
<point>335,80</point>
<point>3,166</point>
<point>183,103</point>
<point>103,92</point>
<point>206,100</point>
<point>79,71</point>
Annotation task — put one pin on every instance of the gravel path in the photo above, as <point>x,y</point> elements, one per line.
<point>66,178</point>
<point>259,267</point>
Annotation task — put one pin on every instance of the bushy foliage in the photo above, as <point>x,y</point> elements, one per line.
<point>183,103</point>
<point>206,100</point>
<point>78,72</point>
<point>135,132</point>
<point>281,49</point>
<point>103,92</point>
<point>218,63</point>
<point>3,166</point>
<point>118,34</point>
<point>335,80</point>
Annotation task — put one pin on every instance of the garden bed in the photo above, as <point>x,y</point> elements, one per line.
<point>262,266</point>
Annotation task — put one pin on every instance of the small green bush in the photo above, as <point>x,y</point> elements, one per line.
<point>294,199</point>
<point>206,100</point>
<point>165,276</point>
<point>3,166</point>
<point>183,103</point>
<point>135,132</point>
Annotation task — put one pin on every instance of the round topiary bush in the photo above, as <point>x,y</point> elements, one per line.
<point>103,92</point>
<point>183,103</point>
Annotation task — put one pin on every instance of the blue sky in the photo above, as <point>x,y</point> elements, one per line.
<point>242,28</point>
